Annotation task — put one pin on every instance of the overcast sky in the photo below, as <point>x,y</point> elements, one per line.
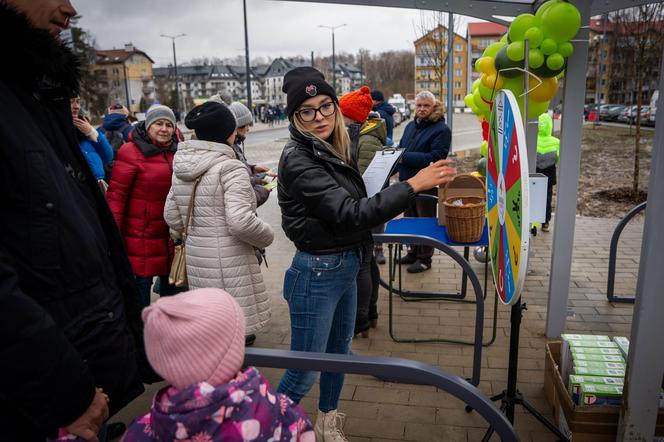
<point>214,28</point>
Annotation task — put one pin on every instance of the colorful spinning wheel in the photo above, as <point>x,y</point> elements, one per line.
<point>507,197</point>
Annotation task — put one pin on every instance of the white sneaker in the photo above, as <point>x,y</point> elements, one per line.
<point>328,427</point>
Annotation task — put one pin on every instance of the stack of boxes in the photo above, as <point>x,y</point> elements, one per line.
<point>593,367</point>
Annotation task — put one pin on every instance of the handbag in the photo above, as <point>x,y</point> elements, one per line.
<point>178,275</point>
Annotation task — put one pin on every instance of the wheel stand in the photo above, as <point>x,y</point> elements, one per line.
<point>512,396</point>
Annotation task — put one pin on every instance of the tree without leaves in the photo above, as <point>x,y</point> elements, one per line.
<point>636,42</point>
<point>83,45</point>
<point>432,33</point>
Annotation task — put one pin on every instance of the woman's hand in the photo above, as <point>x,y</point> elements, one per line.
<point>85,127</point>
<point>88,425</point>
<point>434,175</point>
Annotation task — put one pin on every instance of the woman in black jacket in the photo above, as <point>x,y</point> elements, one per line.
<point>326,213</point>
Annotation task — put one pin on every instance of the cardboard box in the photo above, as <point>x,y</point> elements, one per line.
<point>599,371</point>
<point>599,364</point>
<point>585,424</point>
<point>463,185</point>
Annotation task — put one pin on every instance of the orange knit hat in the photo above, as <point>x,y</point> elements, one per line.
<point>356,105</point>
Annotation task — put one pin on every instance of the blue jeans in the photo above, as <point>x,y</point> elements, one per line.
<point>144,285</point>
<point>321,291</point>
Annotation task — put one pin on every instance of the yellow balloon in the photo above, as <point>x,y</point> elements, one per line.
<point>492,81</point>
<point>544,91</point>
<point>487,65</point>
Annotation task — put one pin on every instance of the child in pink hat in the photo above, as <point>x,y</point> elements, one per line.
<point>195,341</point>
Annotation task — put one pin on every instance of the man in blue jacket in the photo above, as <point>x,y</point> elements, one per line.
<point>425,140</point>
<point>385,110</point>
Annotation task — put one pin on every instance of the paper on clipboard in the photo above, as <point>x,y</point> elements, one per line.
<point>380,169</point>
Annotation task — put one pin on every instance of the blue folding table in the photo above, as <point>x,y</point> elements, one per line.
<point>427,232</point>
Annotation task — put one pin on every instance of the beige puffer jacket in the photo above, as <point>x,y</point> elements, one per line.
<point>224,229</point>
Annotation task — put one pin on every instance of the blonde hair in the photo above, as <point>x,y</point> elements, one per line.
<point>340,145</point>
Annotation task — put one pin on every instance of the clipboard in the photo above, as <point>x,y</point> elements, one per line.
<point>380,169</point>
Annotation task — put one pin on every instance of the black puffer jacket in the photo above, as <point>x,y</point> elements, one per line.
<point>324,205</point>
<point>69,311</point>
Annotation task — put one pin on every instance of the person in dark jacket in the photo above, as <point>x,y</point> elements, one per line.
<point>71,330</point>
<point>326,213</point>
<point>96,149</point>
<point>257,172</point>
<point>116,126</point>
<point>425,140</point>
<point>137,194</point>
<point>386,112</point>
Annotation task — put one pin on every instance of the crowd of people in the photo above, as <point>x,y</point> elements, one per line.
<point>92,217</point>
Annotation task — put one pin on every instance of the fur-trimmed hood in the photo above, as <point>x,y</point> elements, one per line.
<point>438,113</point>
<point>37,59</point>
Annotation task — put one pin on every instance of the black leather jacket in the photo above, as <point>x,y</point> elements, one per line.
<point>324,204</point>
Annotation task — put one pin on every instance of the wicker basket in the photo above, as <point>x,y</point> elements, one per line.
<point>465,222</point>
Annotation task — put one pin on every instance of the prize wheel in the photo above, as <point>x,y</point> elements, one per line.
<point>507,197</point>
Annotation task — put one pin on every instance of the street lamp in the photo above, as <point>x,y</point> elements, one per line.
<point>334,64</point>
<point>175,66</point>
<point>246,58</point>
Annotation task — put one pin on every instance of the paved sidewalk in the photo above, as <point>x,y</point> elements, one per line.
<point>381,411</point>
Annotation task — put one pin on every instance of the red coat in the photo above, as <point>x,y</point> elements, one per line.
<point>140,181</point>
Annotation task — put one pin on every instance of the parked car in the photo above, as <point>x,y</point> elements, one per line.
<point>629,114</point>
<point>610,112</point>
<point>402,111</point>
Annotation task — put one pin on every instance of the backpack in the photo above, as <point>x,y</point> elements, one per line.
<point>115,138</point>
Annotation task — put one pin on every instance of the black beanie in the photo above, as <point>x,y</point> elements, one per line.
<point>302,83</point>
<point>211,121</point>
<point>377,95</point>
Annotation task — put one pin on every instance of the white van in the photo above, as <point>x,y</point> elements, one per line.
<point>653,107</point>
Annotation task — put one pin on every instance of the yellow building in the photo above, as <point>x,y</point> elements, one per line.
<point>125,76</point>
<point>431,65</point>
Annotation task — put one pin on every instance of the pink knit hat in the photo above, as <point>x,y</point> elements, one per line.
<point>197,336</point>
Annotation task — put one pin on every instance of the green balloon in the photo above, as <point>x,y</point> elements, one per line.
<point>535,58</point>
<point>542,9</point>
<point>475,85</point>
<point>548,46</point>
<point>481,166</point>
<point>534,36</point>
<point>565,49</point>
<point>561,22</point>
<point>477,65</point>
<point>493,49</point>
<point>514,84</point>
<point>520,25</point>
<point>537,108</point>
<point>555,61</point>
<point>504,39</point>
<point>545,72</point>
<point>503,62</point>
<point>515,51</point>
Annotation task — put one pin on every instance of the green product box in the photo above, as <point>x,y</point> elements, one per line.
<point>596,350</point>
<point>575,382</point>
<point>592,344</point>
<point>599,371</point>
<point>599,364</point>
<point>623,344</point>
<point>600,394</point>
<point>597,357</point>
<point>571,337</point>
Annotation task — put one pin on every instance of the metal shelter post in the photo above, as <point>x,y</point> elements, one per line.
<point>568,183</point>
<point>645,364</point>
<point>450,68</point>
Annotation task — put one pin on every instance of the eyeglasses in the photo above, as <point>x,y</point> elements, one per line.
<point>308,114</point>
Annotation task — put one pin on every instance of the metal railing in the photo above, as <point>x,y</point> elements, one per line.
<point>394,369</point>
<point>613,253</point>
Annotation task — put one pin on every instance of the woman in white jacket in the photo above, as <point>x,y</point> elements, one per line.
<point>224,231</point>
